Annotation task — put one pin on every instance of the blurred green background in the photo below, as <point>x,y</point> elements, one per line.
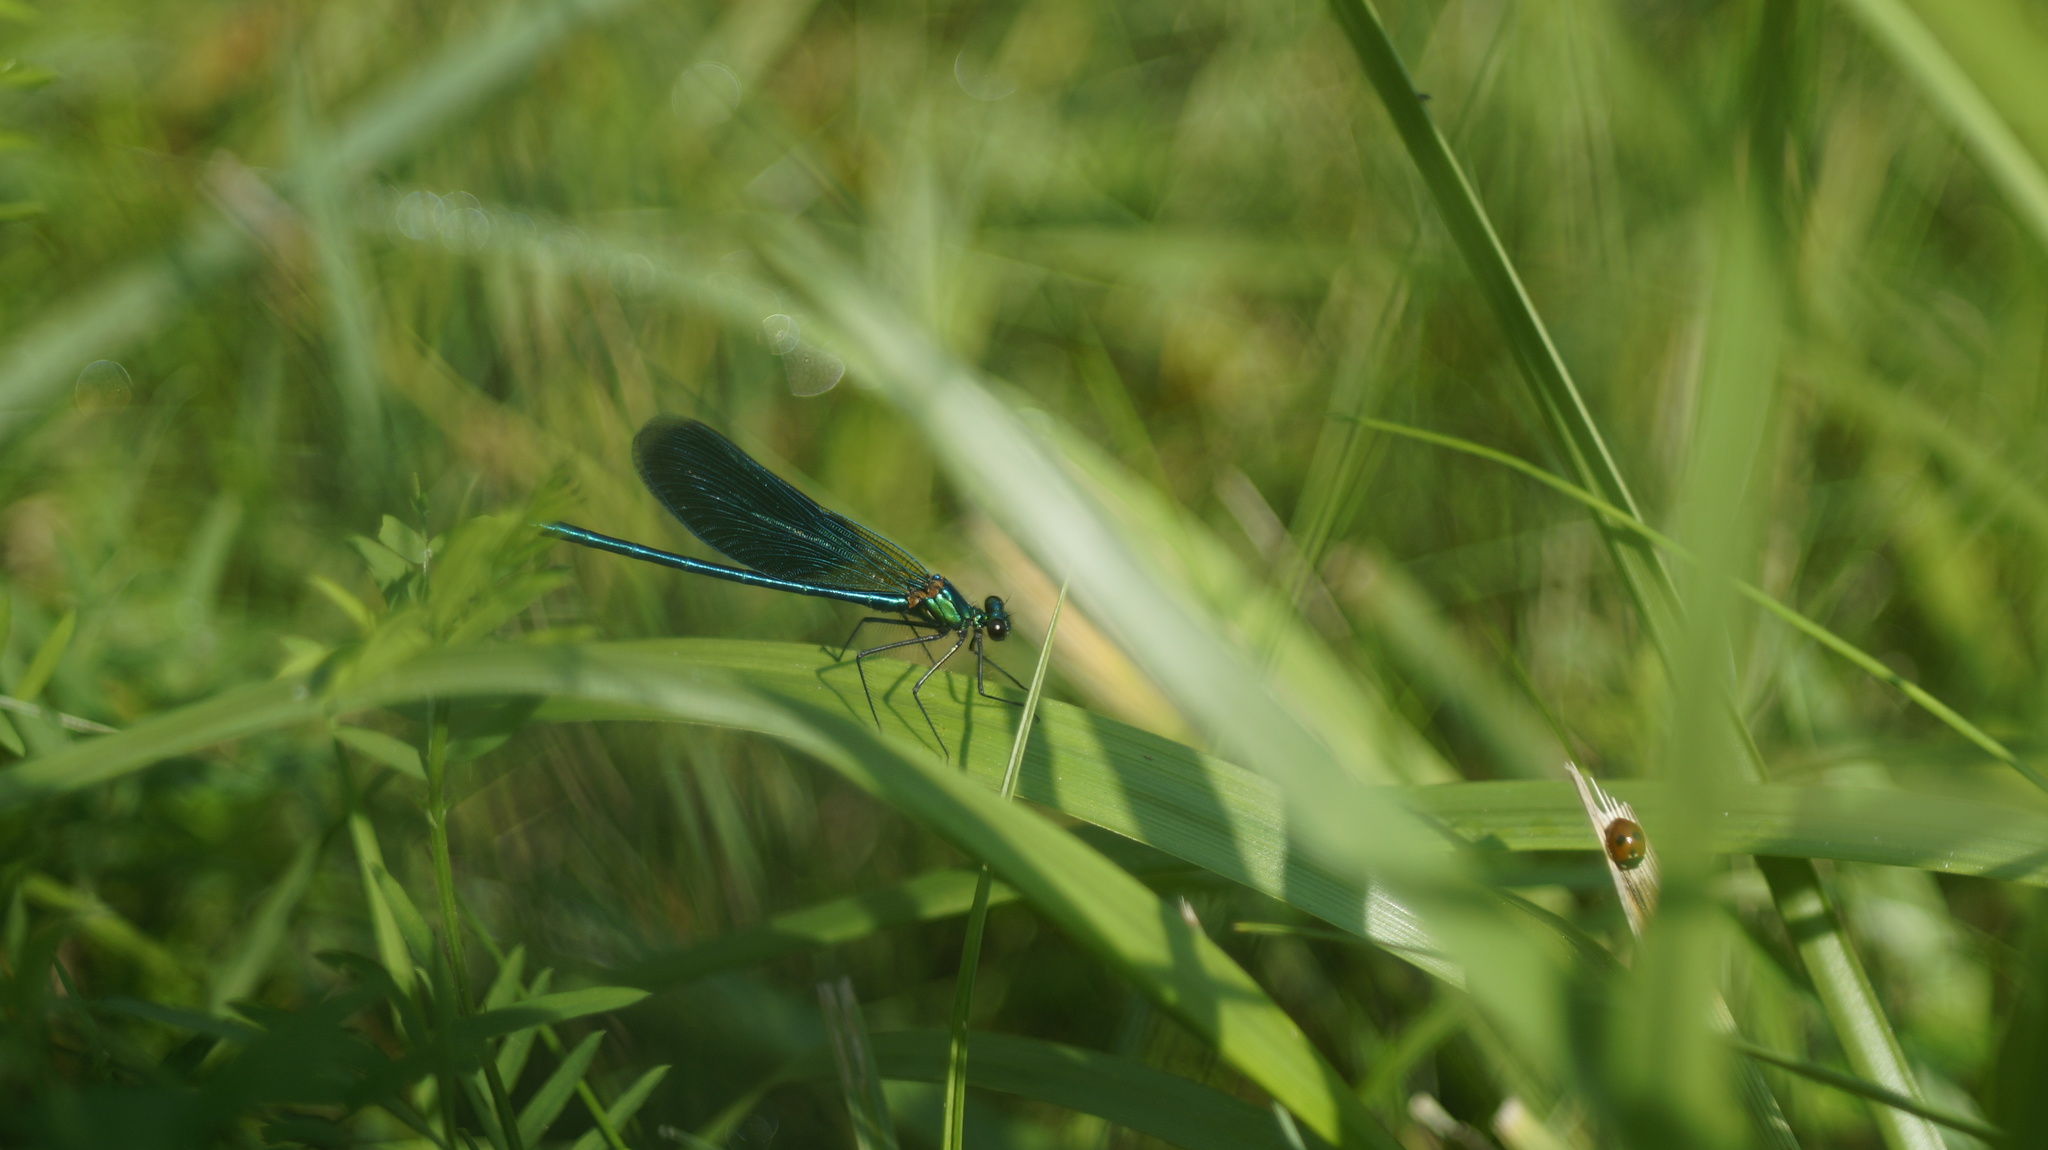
<point>280,277</point>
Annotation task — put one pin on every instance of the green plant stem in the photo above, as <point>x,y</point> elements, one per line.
<point>1850,1084</point>
<point>953,1130</point>
<point>451,921</point>
<point>1844,989</point>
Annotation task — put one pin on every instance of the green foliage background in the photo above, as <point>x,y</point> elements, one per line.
<point>1414,398</point>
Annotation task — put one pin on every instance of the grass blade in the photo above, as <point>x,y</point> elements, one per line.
<point>1863,661</point>
<point>1961,100</point>
<point>623,1110</point>
<point>860,1079</point>
<point>1850,1084</point>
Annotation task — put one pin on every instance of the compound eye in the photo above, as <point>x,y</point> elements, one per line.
<point>1625,843</point>
<point>998,628</point>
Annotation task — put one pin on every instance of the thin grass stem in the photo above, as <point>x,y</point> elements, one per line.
<point>953,1130</point>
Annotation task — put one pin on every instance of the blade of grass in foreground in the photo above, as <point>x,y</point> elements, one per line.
<point>1088,897</point>
<point>1001,463</point>
<point>953,1122</point>
<point>1208,811</point>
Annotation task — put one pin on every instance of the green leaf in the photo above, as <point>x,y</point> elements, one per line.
<point>229,1029</point>
<point>412,925</point>
<point>546,1104</point>
<point>361,616</point>
<point>241,974</point>
<point>15,74</point>
<point>621,1111</point>
<point>44,663</point>
<point>548,1009</point>
<point>397,754</point>
<point>518,1045</point>
<point>391,943</point>
<point>386,566</point>
<point>402,541</point>
<point>506,986</point>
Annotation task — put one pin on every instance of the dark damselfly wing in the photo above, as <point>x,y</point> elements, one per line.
<point>752,516</point>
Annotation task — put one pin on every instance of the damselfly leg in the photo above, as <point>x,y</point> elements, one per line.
<point>981,660</point>
<point>848,645</point>
<point>915,697</point>
<point>860,666</point>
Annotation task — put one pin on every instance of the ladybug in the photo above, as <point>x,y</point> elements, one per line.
<point>1626,844</point>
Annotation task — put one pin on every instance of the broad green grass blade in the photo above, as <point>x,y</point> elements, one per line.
<point>1197,807</point>
<point>1097,904</point>
<point>1193,805</point>
<point>1004,467</point>
<point>1342,709</point>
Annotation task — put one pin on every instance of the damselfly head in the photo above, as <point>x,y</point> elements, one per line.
<point>1625,844</point>
<point>996,625</point>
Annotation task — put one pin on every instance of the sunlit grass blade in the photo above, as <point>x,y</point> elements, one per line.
<point>999,462</point>
<point>1097,904</point>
